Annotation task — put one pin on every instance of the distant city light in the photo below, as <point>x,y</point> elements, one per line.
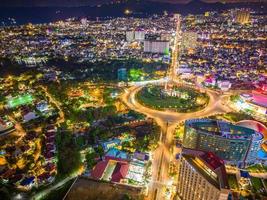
<point>128,12</point>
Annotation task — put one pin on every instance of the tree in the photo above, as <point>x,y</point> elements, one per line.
<point>69,158</point>
<point>100,151</point>
<point>90,160</point>
<point>126,197</point>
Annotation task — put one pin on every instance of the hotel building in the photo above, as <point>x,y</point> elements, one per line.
<point>201,176</point>
<point>234,144</point>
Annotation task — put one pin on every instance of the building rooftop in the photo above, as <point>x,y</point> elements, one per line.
<point>99,169</point>
<point>259,99</point>
<point>111,143</point>
<point>120,171</point>
<point>6,126</point>
<point>110,170</point>
<point>210,166</point>
<point>224,129</point>
<point>212,160</point>
<point>27,181</point>
<point>115,153</point>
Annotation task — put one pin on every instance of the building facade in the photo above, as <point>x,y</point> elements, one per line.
<point>254,104</point>
<point>129,36</point>
<point>201,176</point>
<point>139,35</point>
<point>156,46</point>
<point>234,144</point>
<point>122,74</point>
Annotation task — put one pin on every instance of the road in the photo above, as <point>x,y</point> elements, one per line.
<point>175,52</point>
<point>61,183</point>
<point>168,120</point>
<point>61,118</point>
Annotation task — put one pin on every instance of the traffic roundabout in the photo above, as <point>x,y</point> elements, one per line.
<point>181,99</point>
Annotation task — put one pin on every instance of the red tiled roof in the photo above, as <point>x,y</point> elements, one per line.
<point>99,169</point>
<point>8,173</point>
<point>50,167</point>
<point>49,155</point>
<point>120,171</point>
<point>213,162</point>
<point>44,176</point>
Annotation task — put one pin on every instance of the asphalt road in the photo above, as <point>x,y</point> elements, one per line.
<point>168,120</point>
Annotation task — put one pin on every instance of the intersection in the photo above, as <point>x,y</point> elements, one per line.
<point>168,120</point>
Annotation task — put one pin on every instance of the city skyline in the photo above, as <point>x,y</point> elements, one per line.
<point>133,101</point>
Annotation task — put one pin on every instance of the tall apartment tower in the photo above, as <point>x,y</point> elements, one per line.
<point>139,35</point>
<point>156,46</point>
<point>201,176</point>
<point>129,36</point>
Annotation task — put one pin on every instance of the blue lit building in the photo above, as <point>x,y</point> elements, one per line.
<point>122,74</point>
<point>234,144</point>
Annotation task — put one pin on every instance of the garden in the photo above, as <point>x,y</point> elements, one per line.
<point>185,99</point>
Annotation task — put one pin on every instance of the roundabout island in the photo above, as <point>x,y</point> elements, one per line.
<point>181,99</point>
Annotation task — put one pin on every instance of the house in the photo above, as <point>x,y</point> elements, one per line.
<point>6,126</point>
<point>42,106</point>
<point>116,154</point>
<point>141,156</point>
<point>28,183</point>
<point>99,169</point>
<point>120,171</point>
<point>30,116</point>
<point>110,144</point>
<point>110,170</point>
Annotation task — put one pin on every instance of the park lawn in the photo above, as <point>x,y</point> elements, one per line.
<point>152,97</point>
<point>20,100</point>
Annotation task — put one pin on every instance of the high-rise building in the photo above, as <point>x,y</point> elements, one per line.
<point>122,74</point>
<point>176,16</point>
<point>139,35</point>
<point>156,46</point>
<point>234,144</point>
<point>242,16</point>
<point>201,176</point>
<point>129,36</point>
<point>135,35</point>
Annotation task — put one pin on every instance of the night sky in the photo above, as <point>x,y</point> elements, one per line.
<point>92,2</point>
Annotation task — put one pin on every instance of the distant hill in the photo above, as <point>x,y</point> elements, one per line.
<point>80,3</point>
<point>42,12</point>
